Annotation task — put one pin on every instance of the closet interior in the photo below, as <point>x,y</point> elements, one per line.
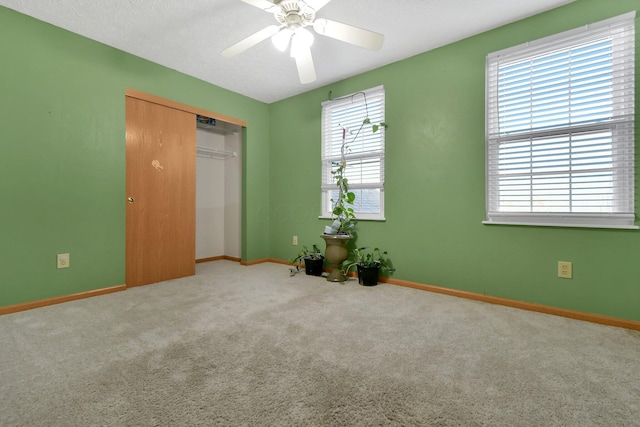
<point>218,188</point>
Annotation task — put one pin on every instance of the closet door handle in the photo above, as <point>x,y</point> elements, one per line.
<point>131,200</point>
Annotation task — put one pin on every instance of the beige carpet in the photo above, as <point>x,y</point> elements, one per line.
<point>252,346</point>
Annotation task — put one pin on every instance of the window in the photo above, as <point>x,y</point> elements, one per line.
<point>560,129</point>
<point>365,156</point>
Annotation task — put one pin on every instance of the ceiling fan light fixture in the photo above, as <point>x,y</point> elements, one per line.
<point>301,41</point>
<point>319,25</point>
<point>281,39</point>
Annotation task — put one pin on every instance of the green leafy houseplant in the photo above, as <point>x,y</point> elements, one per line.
<point>315,258</point>
<point>342,214</point>
<point>369,264</point>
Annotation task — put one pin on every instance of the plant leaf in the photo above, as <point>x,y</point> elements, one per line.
<point>351,196</point>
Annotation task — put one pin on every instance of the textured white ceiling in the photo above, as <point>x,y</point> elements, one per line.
<point>188,35</point>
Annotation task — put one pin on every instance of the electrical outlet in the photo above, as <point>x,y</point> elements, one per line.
<point>63,260</point>
<point>295,240</point>
<point>565,269</point>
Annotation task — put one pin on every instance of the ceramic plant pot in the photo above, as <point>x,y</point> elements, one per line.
<point>335,253</point>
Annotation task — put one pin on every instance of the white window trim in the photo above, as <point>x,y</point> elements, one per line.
<point>326,204</point>
<point>597,220</point>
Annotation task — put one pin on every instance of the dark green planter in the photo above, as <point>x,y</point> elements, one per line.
<point>313,267</point>
<point>368,276</point>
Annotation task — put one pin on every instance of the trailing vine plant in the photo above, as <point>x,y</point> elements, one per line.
<point>342,212</point>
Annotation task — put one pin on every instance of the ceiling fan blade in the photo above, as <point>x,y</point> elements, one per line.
<point>348,33</point>
<point>250,41</point>
<point>261,4</point>
<point>306,70</point>
<point>316,4</point>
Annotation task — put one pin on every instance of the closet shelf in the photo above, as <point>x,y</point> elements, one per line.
<point>213,153</point>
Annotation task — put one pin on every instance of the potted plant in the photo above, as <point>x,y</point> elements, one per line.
<point>313,261</point>
<point>369,264</point>
<point>338,234</point>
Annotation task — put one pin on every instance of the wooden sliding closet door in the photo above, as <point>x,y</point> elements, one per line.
<point>161,192</point>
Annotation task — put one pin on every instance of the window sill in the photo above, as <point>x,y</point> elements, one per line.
<point>358,219</point>
<point>566,225</point>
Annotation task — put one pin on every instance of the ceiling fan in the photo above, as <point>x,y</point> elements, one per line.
<point>293,16</point>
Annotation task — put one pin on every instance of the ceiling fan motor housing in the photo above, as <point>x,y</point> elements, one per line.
<point>294,14</point>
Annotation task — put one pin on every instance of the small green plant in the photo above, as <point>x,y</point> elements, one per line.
<point>368,258</point>
<point>305,253</point>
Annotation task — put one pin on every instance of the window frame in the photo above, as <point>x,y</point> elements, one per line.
<point>620,125</point>
<point>327,127</point>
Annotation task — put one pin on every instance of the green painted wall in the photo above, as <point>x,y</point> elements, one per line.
<point>435,183</point>
<point>62,157</point>
<point>63,177</point>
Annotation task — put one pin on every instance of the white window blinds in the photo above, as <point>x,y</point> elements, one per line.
<point>560,129</point>
<point>365,154</point>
